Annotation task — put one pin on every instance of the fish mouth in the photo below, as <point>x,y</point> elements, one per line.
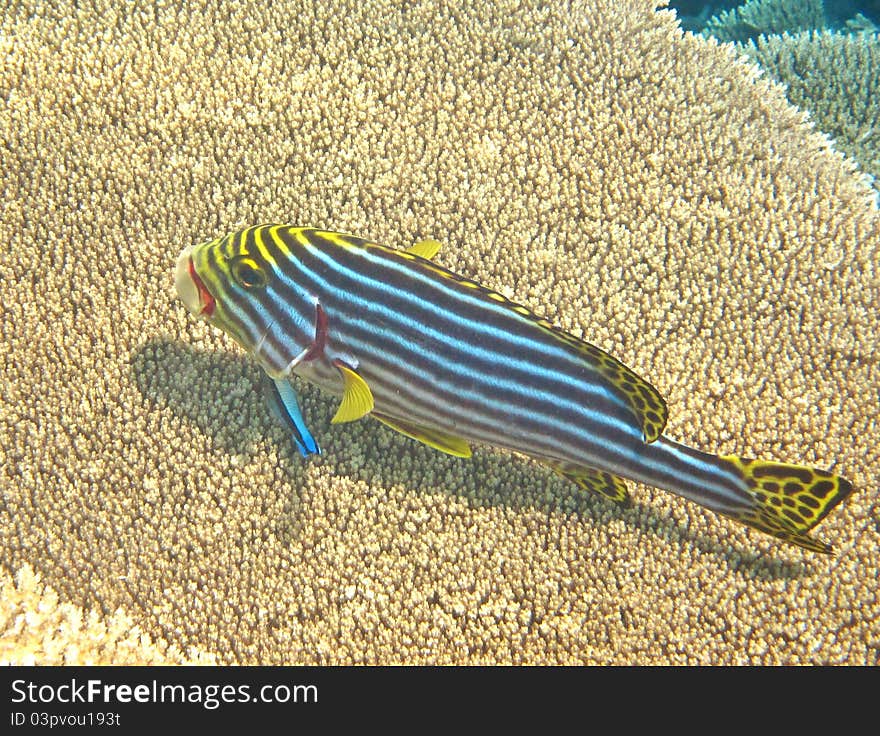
<point>190,287</point>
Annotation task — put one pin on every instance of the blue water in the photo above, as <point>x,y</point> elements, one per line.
<point>695,13</point>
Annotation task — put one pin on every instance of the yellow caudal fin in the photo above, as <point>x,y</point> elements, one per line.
<point>789,499</point>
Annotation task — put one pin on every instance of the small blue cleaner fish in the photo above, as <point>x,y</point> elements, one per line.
<point>283,402</point>
<point>443,360</point>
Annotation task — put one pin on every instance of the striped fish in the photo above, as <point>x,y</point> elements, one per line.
<point>448,362</point>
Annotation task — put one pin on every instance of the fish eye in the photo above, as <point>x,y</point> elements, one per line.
<point>248,274</point>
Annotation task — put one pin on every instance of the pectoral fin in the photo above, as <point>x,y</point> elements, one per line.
<point>426,249</point>
<point>357,399</point>
<point>431,437</point>
<point>590,479</point>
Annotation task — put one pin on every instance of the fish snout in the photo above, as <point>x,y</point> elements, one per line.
<point>190,288</point>
<point>186,287</point>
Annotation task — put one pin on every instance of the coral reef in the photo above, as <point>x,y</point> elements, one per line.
<point>837,78</point>
<point>757,17</point>
<point>37,628</point>
<point>641,187</point>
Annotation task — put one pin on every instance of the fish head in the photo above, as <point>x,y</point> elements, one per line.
<point>234,285</point>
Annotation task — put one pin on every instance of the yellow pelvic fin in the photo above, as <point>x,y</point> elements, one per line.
<point>426,249</point>
<point>357,399</point>
<point>789,499</point>
<point>590,479</point>
<point>431,437</point>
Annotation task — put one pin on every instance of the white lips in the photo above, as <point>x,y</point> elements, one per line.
<point>186,287</point>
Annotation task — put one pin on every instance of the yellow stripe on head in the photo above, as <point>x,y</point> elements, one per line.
<point>265,253</point>
<point>300,235</point>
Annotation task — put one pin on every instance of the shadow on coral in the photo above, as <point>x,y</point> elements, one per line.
<point>195,397</point>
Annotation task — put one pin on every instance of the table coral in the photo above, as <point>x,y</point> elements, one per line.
<point>642,188</point>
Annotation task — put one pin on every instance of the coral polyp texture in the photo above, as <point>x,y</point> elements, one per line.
<point>835,77</point>
<point>36,627</point>
<point>646,190</point>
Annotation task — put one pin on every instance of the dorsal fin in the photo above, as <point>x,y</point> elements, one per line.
<point>645,402</point>
<point>426,249</point>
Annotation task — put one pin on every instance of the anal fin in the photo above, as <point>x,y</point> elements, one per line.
<point>447,443</point>
<point>590,479</point>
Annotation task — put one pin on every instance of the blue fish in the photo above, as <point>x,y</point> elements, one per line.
<point>284,403</point>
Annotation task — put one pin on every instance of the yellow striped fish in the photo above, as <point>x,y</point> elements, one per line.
<point>448,362</point>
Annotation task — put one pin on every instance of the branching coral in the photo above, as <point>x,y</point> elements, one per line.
<point>639,187</point>
<point>758,17</point>
<point>36,628</point>
<point>837,78</point>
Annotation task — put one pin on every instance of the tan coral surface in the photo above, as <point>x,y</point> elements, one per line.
<point>641,188</point>
<point>36,628</point>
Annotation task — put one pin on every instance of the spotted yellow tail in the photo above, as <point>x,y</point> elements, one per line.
<point>789,499</point>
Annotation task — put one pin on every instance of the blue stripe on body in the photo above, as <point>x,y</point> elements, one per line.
<point>695,475</point>
<point>365,348</point>
<point>532,428</point>
<point>623,455</point>
<point>510,333</point>
<point>662,464</point>
<point>353,303</point>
